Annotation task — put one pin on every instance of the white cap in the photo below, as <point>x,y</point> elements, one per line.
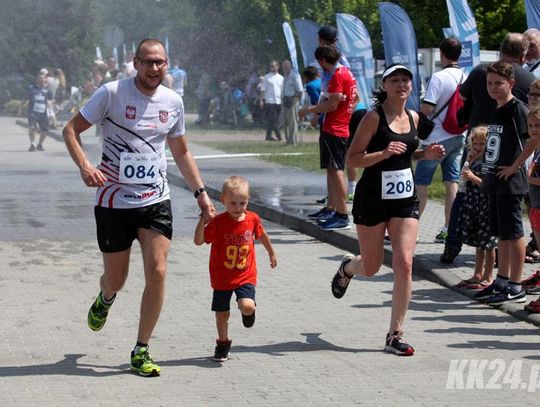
<point>43,71</point>
<point>394,68</point>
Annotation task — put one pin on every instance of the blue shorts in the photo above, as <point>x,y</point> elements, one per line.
<point>221,301</point>
<point>450,164</point>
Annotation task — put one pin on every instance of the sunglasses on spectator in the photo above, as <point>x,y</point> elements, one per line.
<point>149,63</point>
<point>533,95</point>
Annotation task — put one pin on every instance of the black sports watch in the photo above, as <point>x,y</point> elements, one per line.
<point>198,192</point>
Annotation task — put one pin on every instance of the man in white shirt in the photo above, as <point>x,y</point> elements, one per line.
<point>139,116</point>
<point>271,99</point>
<point>440,89</point>
<point>292,94</point>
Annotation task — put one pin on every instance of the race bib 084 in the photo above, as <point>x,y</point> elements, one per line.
<point>397,184</point>
<point>139,168</point>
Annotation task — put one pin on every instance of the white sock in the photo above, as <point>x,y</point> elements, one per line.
<point>351,186</point>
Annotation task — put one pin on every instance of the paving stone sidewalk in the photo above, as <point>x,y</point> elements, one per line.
<point>306,348</point>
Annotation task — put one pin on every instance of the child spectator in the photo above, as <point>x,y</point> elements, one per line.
<point>532,284</point>
<point>473,219</point>
<point>504,178</point>
<point>232,258</point>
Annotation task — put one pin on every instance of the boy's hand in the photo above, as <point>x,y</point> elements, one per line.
<point>506,171</point>
<point>273,261</point>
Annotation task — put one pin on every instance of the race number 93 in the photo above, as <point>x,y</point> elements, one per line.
<point>236,257</point>
<point>139,168</point>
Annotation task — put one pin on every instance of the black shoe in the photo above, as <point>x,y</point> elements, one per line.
<point>341,280</point>
<point>396,345</point>
<point>323,211</point>
<point>488,292</point>
<point>506,296</point>
<point>448,255</point>
<point>40,147</point>
<point>248,320</point>
<point>221,353</point>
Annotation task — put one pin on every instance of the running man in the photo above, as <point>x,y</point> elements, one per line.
<point>132,202</point>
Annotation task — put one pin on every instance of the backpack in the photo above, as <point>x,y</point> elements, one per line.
<point>451,123</point>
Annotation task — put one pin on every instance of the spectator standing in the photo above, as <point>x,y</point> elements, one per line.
<point>292,94</point>
<point>337,109</point>
<point>328,35</point>
<point>478,109</point>
<point>271,100</point>
<point>61,91</point>
<point>531,285</point>
<point>532,58</point>
<point>179,78</point>
<point>252,93</point>
<point>441,88</point>
<point>112,67</point>
<point>473,218</point>
<point>504,178</point>
<point>204,94</point>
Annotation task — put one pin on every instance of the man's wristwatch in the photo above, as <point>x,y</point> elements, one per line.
<point>198,192</point>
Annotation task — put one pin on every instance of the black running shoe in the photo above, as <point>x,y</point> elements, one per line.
<point>320,212</point>
<point>248,320</point>
<point>506,296</point>
<point>487,292</point>
<point>448,255</point>
<point>221,352</point>
<point>341,280</point>
<point>396,345</point>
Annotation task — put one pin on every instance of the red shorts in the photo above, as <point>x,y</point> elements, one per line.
<point>534,217</point>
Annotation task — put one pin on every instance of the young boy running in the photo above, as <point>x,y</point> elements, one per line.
<point>233,267</point>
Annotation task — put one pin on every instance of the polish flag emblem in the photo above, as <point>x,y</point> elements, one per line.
<point>163,116</point>
<point>130,112</point>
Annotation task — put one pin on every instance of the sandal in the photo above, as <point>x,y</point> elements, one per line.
<point>465,283</point>
<point>478,286</point>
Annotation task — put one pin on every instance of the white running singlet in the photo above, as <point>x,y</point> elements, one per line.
<point>135,128</point>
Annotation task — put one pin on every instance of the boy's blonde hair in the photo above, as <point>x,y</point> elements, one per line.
<point>478,132</point>
<point>233,183</point>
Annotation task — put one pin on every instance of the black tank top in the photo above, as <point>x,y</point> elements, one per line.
<point>371,177</point>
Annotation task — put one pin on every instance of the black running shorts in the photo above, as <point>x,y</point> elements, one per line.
<point>333,151</point>
<point>117,228</point>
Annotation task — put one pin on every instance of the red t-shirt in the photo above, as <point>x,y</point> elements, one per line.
<point>232,256</point>
<point>337,122</point>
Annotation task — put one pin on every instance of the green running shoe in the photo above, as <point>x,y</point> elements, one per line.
<point>142,363</point>
<point>97,315</point>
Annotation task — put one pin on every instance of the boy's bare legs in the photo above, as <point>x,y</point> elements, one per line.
<point>246,306</point>
<point>489,264</point>
<point>479,260</point>
<point>222,325</point>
